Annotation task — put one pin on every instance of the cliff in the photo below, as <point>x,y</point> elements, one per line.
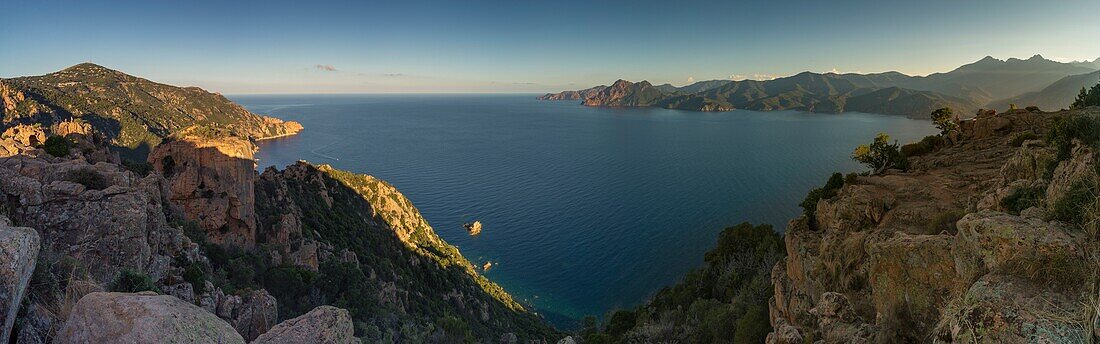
<point>975,243</point>
<point>133,114</point>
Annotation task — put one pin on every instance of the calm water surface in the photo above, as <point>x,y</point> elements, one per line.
<point>584,209</point>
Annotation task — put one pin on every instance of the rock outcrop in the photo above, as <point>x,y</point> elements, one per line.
<point>324,324</point>
<point>18,253</point>
<point>933,254</point>
<point>142,318</point>
<point>212,181</point>
<point>573,95</point>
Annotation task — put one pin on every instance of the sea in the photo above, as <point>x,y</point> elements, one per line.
<point>585,210</point>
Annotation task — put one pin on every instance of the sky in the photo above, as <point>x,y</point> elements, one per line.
<point>409,46</point>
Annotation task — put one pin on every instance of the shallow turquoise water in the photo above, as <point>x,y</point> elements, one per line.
<point>584,209</point>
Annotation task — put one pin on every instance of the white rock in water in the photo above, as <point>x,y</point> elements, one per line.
<point>474,228</point>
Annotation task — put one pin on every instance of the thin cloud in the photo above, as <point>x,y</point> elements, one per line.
<point>691,79</point>
<point>393,75</point>
<point>326,68</point>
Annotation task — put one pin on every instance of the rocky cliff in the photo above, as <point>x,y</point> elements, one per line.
<point>133,114</point>
<point>975,243</point>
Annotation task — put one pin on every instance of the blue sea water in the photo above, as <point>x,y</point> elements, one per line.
<point>585,210</point>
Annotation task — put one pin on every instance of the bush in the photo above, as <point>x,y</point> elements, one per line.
<point>196,275</point>
<point>1033,108</point>
<point>130,281</point>
<point>1021,199</point>
<point>1021,137</point>
<point>1073,206</point>
<point>57,146</point>
<point>926,145</point>
<point>140,168</point>
<point>809,204</point>
<point>87,177</point>
<point>880,155</point>
<point>943,119</point>
<point>1065,129</point>
<point>1090,97</point>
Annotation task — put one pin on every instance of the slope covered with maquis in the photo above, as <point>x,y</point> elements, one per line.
<point>199,224</point>
<point>131,112</point>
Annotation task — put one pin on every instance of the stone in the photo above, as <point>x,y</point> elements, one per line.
<point>990,241</point>
<point>324,324</point>
<point>18,253</point>
<point>252,313</point>
<point>142,318</point>
<point>1081,166</point>
<point>567,340</point>
<point>213,181</point>
<point>509,338</point>
<point>474,228</point>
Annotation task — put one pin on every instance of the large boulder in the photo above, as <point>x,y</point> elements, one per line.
<point>1081,167</point>
<point>912,277</point>
<point>991,242</point>
<point>252,313</point>
<point>1011,309</point>
<point>18,252</point>
<point>324,324</point>
<point>142,318</point>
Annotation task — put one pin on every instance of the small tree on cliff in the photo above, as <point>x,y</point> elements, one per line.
<point>1090,97</point>
<point>943,118</point>
<point>880,155</point>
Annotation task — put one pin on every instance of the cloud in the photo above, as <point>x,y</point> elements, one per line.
<point>691,79</point>
<point>327,68</point>
<point>737,77</point>
<point>834,71</point>
<point>763,77</point>
<point>524,83</point>
<point>393,75</point>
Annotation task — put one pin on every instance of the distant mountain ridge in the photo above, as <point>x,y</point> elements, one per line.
<point>132,111</point>
<point>965,89</point>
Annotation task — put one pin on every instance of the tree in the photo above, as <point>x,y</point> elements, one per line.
<point>1090,97</point>
<point>880,155</point>
<point>943,118</point>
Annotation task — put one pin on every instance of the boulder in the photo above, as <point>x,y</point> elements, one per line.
<point>1080,167</point>
<point>914,274</point>
<point>990,241</point>
<point>18,253</point>
<point>252,313</point>
<point>474,228</point>
<point>1009,309</point>
<point>142,318</point>
<point>324,324</point>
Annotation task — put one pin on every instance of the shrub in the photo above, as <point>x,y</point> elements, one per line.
<point>196,275</point>
<point>880,155</point>
<point>809,204</point>
<point>1021,137</point>
<point>926,145</point>
<point>130,281</point>
<point>943,119</point>
<point>1033,108</point>
<point>945,222</point>
<point>57,146</point>
<point>87,177</point>
<point>1021,199</point>
<point>851,179</point>
<point>1072,206</point>
<point>1066,129</point>
<point>140,168</point>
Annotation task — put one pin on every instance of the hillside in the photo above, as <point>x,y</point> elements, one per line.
<point>1058,95</point>
<point>198,225</point>
<point>134,114</point>
<point>991,237</point>
<point>965,89</point>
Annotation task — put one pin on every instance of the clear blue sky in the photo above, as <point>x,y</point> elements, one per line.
<point>526,46</point>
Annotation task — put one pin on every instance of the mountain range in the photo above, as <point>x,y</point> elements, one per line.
<point>986,83</point>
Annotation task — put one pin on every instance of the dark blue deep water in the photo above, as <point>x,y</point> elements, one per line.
<point>584,209</point>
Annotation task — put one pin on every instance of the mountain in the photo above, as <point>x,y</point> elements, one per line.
<point>1058,95</point>
<point>133,113</point>
<point>197,224</point>
<point>573,95</point>
<point>965,89</point>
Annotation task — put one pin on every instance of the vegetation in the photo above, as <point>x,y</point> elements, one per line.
<point>1066,129</point>
<point>880,155</point>
<point>927,145</point>
<point>809,204</point>
<point>723,301</point>
<point>1089,97</point>
<point>1020,138</point>
<point>944,120</point>
<point>140,168</point>
<point>1022,198</point>
<point>130,281</point>
<point>1075,204</point>
<point>88,177</point>
<point>945,222</point>
<point>57,146</point>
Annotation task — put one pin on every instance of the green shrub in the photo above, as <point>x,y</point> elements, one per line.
<point>1021,199</point>
<point>924,146</point>
<point>1089,97</point>
<point>753,327</point>
<point>87,177</point>
<point>1021,137</point>
<point>945,222</point>
<point>1033,108</point>
<point>140,168</point>
<point>130,281</point>
<point>809,204</point>
<point>57,146</point>
<point>1066,129</point>
<point>943,119</point>
<point>880,155</point>
<point>196,275</point>
<point>1072,207</point>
